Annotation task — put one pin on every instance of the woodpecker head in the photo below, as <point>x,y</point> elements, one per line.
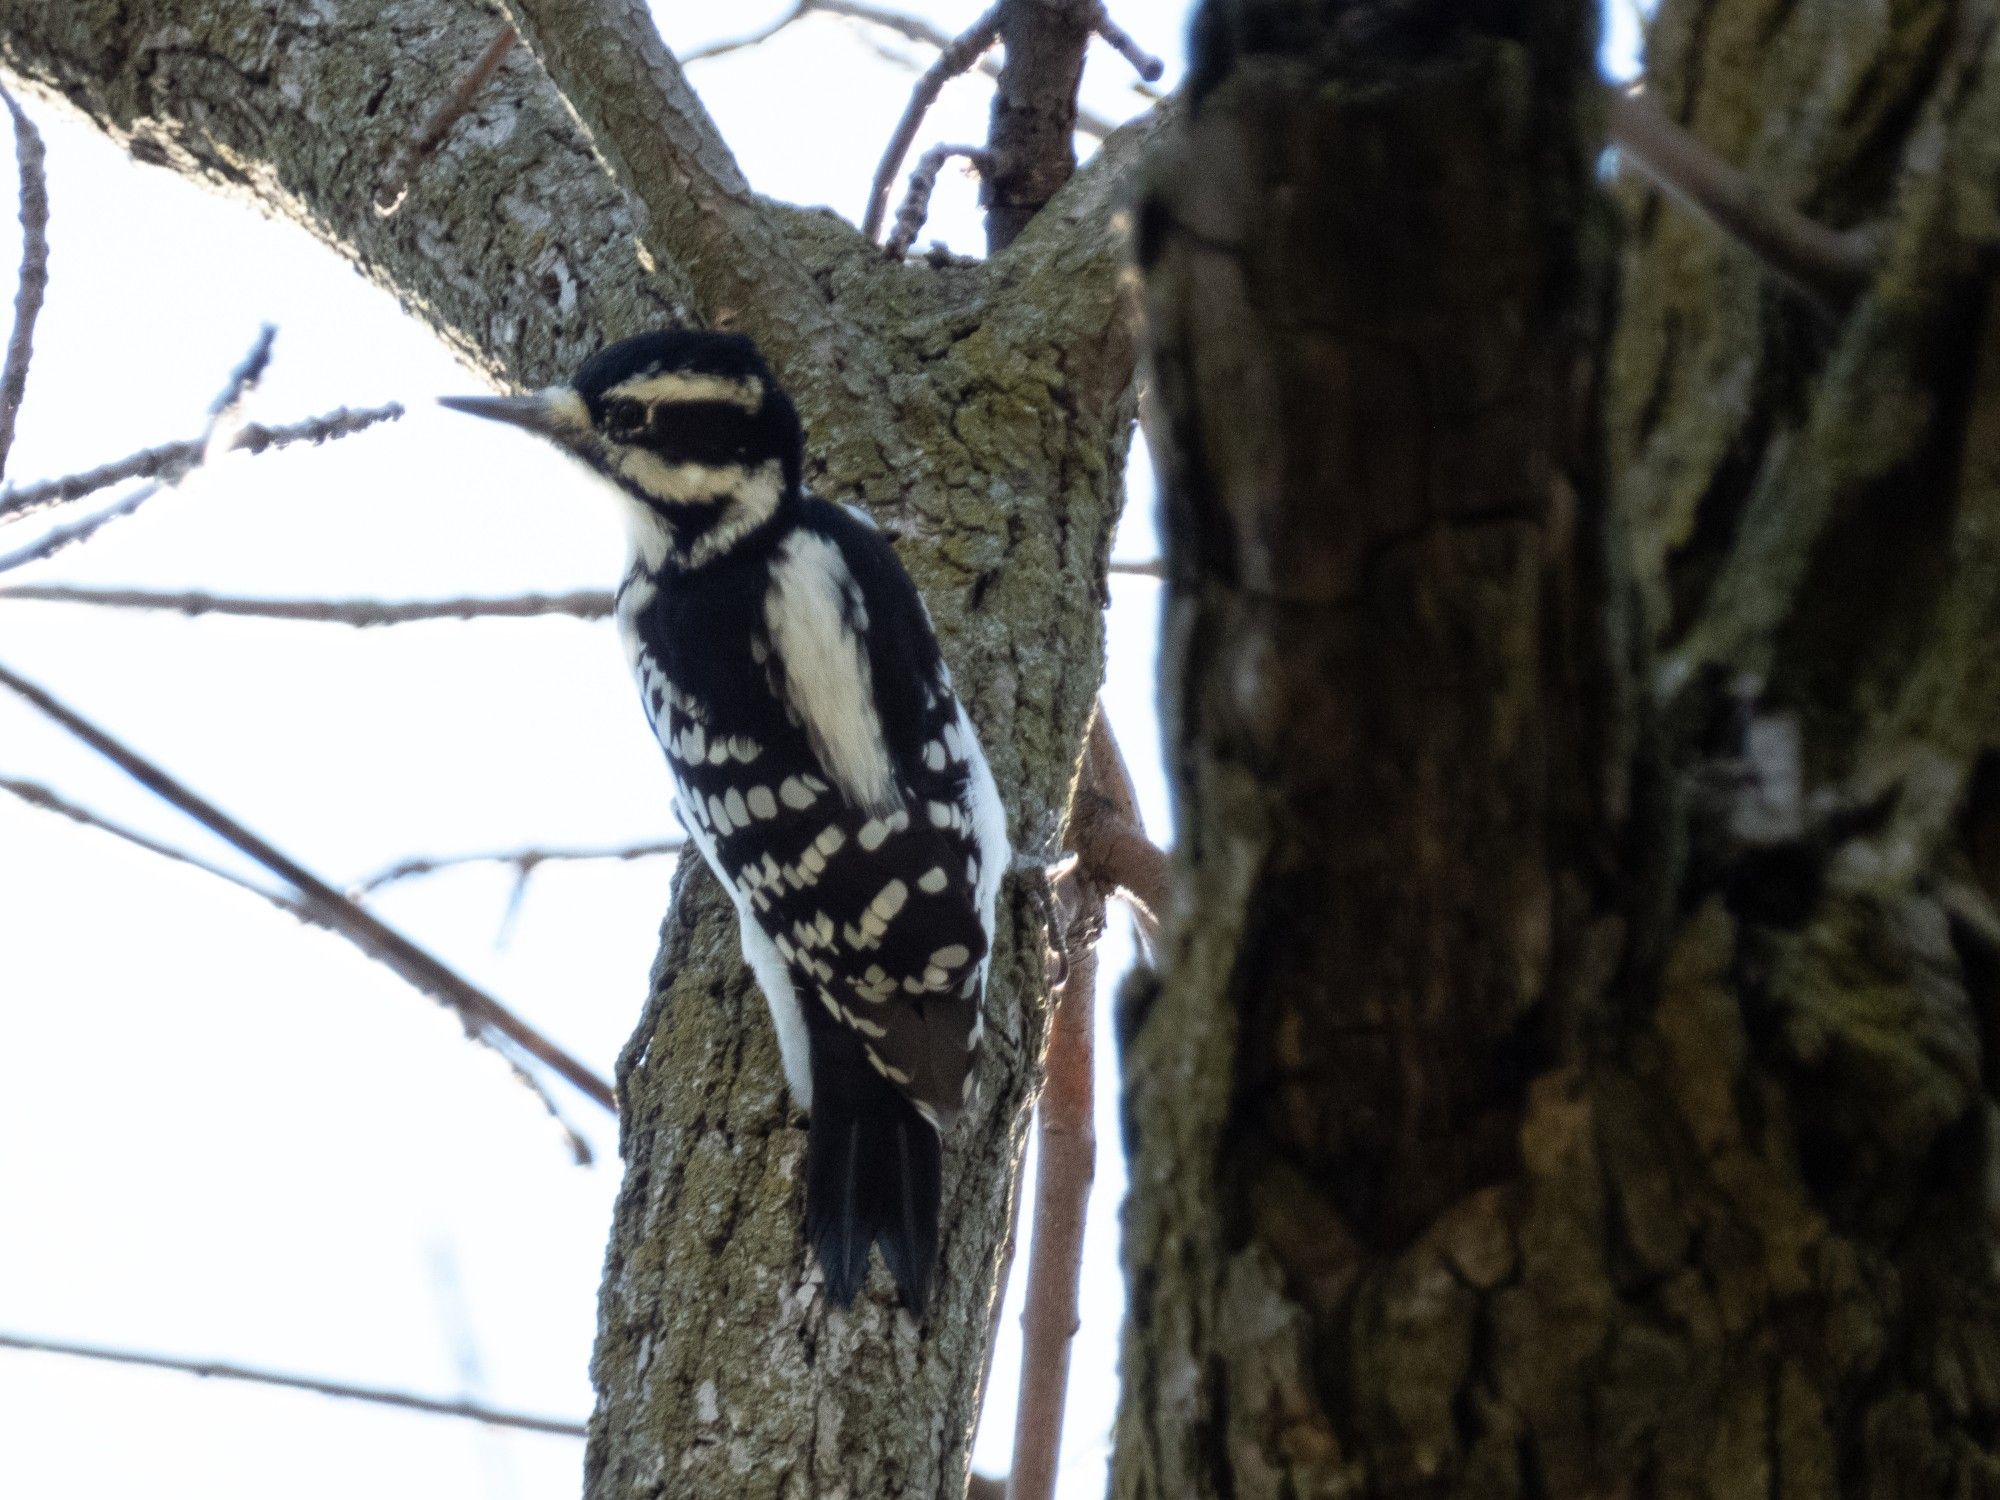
<point>690,426</point>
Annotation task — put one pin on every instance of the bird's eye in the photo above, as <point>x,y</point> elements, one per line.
<point>623,418</point>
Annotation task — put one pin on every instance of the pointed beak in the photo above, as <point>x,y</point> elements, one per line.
<point>554,413</point>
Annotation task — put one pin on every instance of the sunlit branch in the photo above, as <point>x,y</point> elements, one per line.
<point>209,1369</point>
<point>32,163</point>
<point>484,1018</point>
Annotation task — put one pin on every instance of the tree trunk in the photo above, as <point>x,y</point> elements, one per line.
<point>1570,1073</point>
<point>980,413</point>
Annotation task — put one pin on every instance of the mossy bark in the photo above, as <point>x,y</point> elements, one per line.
<point>1571,1072</point>
<point>980,413</point>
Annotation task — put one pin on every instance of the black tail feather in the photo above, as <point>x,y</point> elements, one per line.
<point>874,1174</point>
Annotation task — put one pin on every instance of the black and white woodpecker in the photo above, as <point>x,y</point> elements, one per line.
<point>820,760</point>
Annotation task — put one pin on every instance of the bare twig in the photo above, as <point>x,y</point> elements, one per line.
<point>917,199</point>
<point>1151,569</point>
<point>210,1369</point>
<point>526,861</point>
<point>1066,1161</point>
<point>955,57</point>
<point>484,1018</point>
<point>216,436</point>
<point>49,800</point>
<point>60,538</point>
<point>17,504</point>
<point>1143,62</point>
<point>755,38</point>
<point>32,163</point>
<point>1829,265</point>
<point>582,604</point>
<point>428,136</point>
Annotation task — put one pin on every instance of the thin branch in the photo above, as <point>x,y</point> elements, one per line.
<point>416,149</point>
<point>484,1018</point>
<point>1831,266</point>
<point>210,1369</point>
<point>756,38</point>
<point>955,57</point>
<point>1066,1161</point>
<point>1149,569</point>
<point>17,504</point>
<point>32,163</point>
<point>47,799</point>
<point>216,436</point>
<point>1143,62</point>
<point>526,861</point>
<point>917,198</point>
<point>582,604</point>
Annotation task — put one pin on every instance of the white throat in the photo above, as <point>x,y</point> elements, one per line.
<point>722,503</point>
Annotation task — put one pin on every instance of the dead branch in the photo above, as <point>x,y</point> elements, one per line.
<point>1831,266</point>
<point>1152,569</point>
<point>955,57</point>
<point>32,163</point>
<point>428,136</point>
<point>210,1369</point>
<point>917,198</point>
<point>484,1018</point>
<point>17,504</point>
<point>525,861</point>
<point>47,799</point>
<point>581,604</point>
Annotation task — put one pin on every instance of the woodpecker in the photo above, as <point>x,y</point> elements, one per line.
<point>820,760</point>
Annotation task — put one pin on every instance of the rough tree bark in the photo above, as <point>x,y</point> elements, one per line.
<point>980,413</point>
<point>1573,1070</point>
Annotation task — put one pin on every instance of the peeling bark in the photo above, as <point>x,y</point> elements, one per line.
<point>1572,1074</point>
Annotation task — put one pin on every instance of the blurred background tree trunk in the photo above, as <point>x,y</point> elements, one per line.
<point>1571,1073</point>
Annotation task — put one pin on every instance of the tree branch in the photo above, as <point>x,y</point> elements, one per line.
<point>437,125</point>
<point>581,604</point>
<point>954,57</point>
<point>484,1018</point>
<point>47,799</point>
<point>524,860</point>
<point>29,499</point>
<point>917,198</point>
<point>210,1369</point>
<point>1831,266</point>
<point>32,162</point>
<point>694,208</point>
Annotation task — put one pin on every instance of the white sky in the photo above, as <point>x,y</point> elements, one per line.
<point>224,1135</point>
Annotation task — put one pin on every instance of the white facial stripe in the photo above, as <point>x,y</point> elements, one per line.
<point>746,497</point>
<point>747,393</point>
